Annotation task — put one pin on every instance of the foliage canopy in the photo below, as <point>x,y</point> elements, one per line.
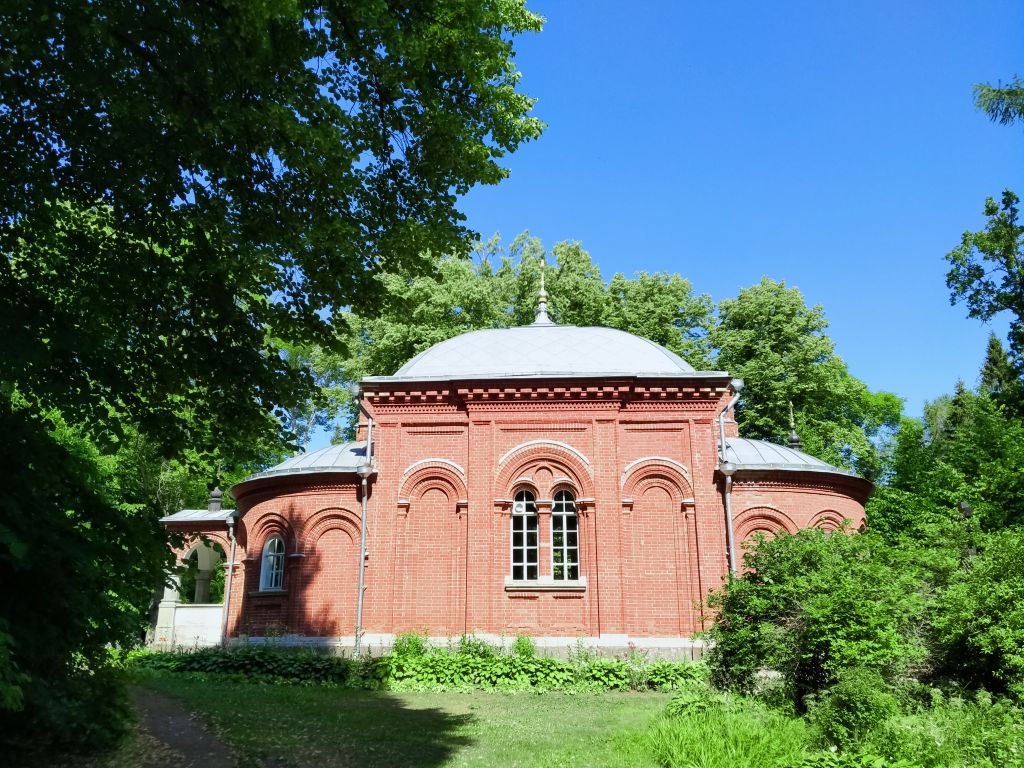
<point>188,188</point>
<point>181,177</point>
<point>770,338</point>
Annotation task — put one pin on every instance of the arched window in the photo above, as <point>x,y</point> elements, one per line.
<point>524,537</point>
<point>272,568</point>
<point>565,538</point>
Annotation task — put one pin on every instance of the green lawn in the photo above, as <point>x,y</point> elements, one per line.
<point>291,725</point>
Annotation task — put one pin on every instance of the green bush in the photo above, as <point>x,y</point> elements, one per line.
<point>859,702</point>
<point>696,698</point>
<point>609,674</point>
<point>85,710</point>
<point>979,624</point>
<point>470,645</point>
<point>410,644</point>
<point>673,675</point>
<point>812,604</point>
<point>849,760</point>
<point>79,557</point>
<point>636,668</point>
<point>524,647</point>
<point>256,663</point>
<point>981,733</point>
<point>475,665</point>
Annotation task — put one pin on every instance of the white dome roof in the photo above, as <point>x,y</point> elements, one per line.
<point>543,349</point>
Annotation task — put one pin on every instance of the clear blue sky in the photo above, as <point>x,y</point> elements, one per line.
<point>833,145</point>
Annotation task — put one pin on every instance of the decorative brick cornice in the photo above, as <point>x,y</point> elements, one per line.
<point>527,394</point>
<point>410,396</point>
<point>803,482</point>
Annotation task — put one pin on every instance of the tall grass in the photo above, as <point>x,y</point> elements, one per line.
<point>982,733</point>
<point>727,734</point>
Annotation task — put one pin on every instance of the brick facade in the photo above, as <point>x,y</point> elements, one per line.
<point>639,455</point>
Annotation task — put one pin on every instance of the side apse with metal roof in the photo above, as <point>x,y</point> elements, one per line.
<point>759,454</point>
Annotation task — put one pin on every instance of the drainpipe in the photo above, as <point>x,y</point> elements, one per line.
<point>365,472</point>
<point>227,585</point>
<point>728,469</point>
<point>737,386</point>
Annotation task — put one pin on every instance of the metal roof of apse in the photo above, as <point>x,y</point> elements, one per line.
<point>334,458</point>
<point>760,454</point>
<point>542,349</point>
<point>200,516</point>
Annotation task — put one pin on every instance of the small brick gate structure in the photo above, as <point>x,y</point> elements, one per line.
<point>548,480</point>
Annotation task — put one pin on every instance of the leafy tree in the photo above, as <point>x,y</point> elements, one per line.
<point>181,177</point>
<point>1004,104</point>
<point>980,621</point>
<point>771,339</point>
<point>459,295</point>
<point>967,450</point>
<point>664,309</point>
<point>79,560</point>
<point>322,408</point>
<point>186,184</point>
<point>1001,378</point>
<point>904,502</point>
<point>987,269</point>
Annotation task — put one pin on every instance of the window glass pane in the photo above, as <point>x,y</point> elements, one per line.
<point>564,537</point>
<point>524,536</point>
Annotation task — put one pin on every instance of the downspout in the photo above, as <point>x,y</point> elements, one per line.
<point>737,386</point>
<point>365,471</point>
<point>227,585</point>
<point>728,469</point>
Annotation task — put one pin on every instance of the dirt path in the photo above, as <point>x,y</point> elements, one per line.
<point>188,743</point>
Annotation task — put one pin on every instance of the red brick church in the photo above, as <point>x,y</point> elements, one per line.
<point>551,480</point>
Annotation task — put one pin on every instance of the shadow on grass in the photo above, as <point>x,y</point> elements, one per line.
<point>289,725</point>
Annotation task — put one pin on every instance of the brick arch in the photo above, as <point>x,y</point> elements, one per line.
<point>657,471</point>
<point>762,519</point>
<point>329,519</point>
<point>422,476</point>
<point>566,463</point>
<point>193,542</point>
<point>828,520</point>
<point>325,581</point>
<point>269,524</point>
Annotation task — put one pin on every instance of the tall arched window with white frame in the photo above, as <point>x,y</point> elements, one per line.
<point>524,537</point>
<point>272,564</point>
<point>565,538</point>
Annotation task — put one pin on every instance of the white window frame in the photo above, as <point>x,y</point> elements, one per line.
<point>563,509</point>
<point>524,511</point>
<point>272,565</point>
